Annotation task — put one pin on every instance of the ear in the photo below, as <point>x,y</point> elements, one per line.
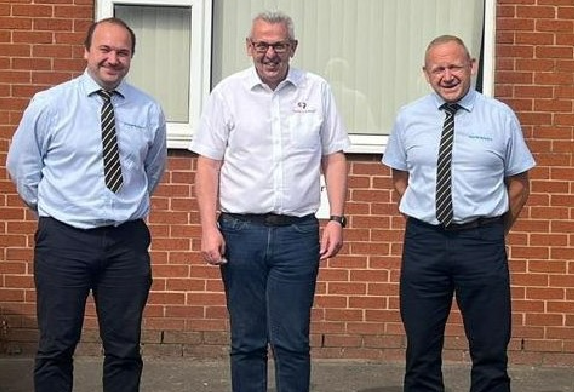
<point>427,75</point>
<point>248,47</point>
<point>473,67</point>
<point>294,44</point>
<point>86,54</point>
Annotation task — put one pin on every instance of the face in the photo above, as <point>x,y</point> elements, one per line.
<point>109,57</point>
<point>448,69</point>
<point>271,50</point>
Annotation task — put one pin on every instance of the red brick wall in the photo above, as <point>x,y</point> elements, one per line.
<point>356,309</point>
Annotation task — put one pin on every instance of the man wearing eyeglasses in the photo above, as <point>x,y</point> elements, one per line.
<point>460,165</point>
<point>264,137</point>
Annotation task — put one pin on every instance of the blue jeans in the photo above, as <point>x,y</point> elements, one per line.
<point>472,263</point>
<point>270,283</point>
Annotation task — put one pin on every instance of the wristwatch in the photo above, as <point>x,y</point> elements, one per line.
<point>339,219</point>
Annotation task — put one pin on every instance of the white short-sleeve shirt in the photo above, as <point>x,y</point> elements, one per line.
<point>270,141</point>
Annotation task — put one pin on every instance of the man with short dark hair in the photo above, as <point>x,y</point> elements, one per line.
<point>86,157</point>
<point>460,165</point>
<point>264,136</point>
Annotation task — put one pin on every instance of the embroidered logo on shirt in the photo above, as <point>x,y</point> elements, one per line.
<point>302,107</point>
<point>485,138</point>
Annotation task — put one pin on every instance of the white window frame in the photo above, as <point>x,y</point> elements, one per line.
<point>179,135</point>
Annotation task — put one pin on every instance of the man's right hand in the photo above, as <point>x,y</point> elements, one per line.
<point>213,246</point>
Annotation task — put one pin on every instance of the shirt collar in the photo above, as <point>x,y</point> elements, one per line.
<point>293,77</point>
<point>467,102</point>
<point>90,86</point>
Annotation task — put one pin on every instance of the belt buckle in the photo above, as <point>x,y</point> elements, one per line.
<point>273,220</point>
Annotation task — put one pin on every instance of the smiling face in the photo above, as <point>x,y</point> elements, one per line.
<point>109,54</point>
<point>271,64</point>
<point>448,69</point>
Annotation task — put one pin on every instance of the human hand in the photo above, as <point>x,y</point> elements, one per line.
<point>213,246</point>
<point>332,240</point>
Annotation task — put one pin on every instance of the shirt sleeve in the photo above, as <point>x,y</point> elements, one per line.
<point>157,155</point>
<point>518,157</point>
<point>333,134</point>
<point>210,138</point>
<point>395,154</point>
<point>28,148</point>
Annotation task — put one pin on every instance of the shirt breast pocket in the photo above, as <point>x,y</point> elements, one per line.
<point>134,142</point>
<point>305,130</point>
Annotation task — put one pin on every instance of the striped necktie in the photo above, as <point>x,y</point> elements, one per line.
<point>112,168</point>
<point>443,199</point>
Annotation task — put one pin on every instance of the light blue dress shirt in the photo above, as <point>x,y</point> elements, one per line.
<point>488,147</point>
<point>55,158</point>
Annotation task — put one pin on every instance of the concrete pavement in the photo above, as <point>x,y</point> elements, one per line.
<point>188,375</point>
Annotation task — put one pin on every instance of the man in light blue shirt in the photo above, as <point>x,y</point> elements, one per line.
<point>459,164</point>
<point>87,157</point>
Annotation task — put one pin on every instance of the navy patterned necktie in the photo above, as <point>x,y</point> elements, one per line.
<point>444,212</point>
<point>112,168</point>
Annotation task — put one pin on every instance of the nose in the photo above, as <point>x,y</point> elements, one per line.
<point>113,57</point>
<point>272,49</point>
<point>448,74</point>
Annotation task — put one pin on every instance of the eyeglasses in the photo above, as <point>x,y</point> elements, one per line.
<point>453,68</point>
<point>278,47</point>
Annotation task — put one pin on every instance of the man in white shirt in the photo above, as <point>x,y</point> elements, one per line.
<point>264,137</point>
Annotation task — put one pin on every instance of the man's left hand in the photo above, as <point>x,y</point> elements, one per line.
<point>332,240</point>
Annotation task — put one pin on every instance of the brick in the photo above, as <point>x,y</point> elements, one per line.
<point>68,38</point>
<point>73,11</point>
<point>545,293</point>
<point>554,78</point>
<point>166,298</point>
<point>72,65</point>
<point>11,295</point>
<point>547,266</point>
<point>29,63</point>
<point>50,78</point>
<point>534,92</point>
<point>555,26</point>
<point>565,12</point>
<point>554,52</point>
<point>15,23</point>
<point>53,24</point>
<point>55,51</point>
<point>33,37</point>
<point>513,77</point>
<point>185,311</point>
<point>33,10</point>
<point>515,24</point>
<point>546,320</point>
<point>505,37</point>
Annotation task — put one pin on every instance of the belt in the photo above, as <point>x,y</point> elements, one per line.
<point>268,219</point>
<point>474,224</point>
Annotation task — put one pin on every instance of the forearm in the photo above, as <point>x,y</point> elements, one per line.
<point>400,181</point>
<point>206,182</point>
<point>518,191</point>
<point>335,170</point>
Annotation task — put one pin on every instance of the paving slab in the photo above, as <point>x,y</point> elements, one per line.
<point>191,375</point>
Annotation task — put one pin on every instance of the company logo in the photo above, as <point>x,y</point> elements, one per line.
<point>303,107</point>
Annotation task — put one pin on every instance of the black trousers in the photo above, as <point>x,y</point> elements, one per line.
<point>112,262</point>
<point>473,264</point>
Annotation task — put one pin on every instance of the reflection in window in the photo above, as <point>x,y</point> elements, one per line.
<point>161,63</point>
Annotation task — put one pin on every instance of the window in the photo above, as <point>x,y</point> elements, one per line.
<point>371,51</point>
<point>173,51</point>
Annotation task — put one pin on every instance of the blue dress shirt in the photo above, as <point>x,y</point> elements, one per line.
<point>488,147</point>
<point>55,157</point>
